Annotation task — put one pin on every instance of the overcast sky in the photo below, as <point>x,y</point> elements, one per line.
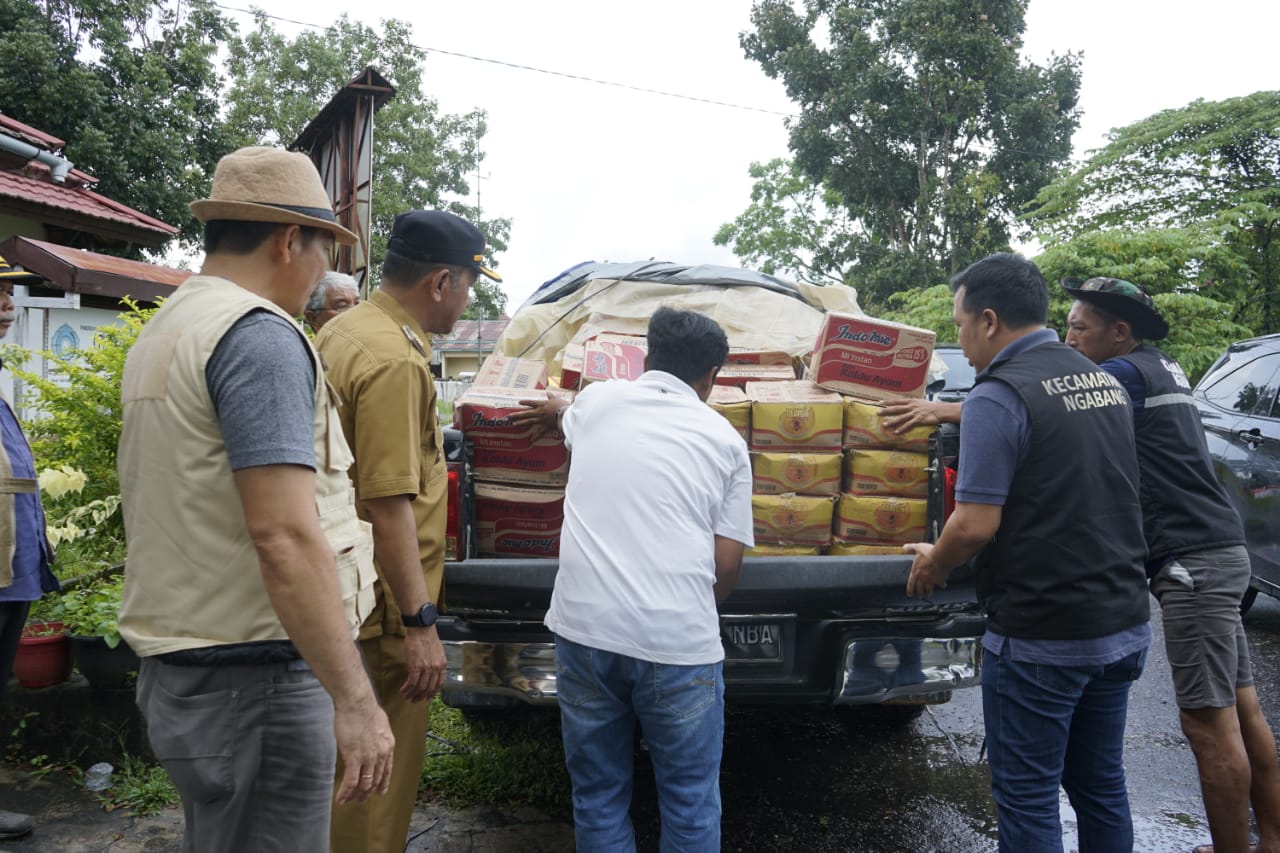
<point>597,172</point>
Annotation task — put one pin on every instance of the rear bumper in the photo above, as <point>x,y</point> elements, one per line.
<point>915,669</point>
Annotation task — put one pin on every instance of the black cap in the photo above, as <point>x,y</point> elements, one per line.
<point>439,237</point>
<point>1122,299</point>
<point>12,273</point>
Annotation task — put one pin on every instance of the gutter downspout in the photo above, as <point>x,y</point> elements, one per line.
<point>58,166</point>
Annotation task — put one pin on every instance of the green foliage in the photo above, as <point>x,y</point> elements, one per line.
<point>920,119</point>
<point>90,609</point>
<point>1188,200</point>
<point>422,158</point>
<point>511,761</point>
<point>140,786</point>
<point>131,86</point>
<point>926,308</point>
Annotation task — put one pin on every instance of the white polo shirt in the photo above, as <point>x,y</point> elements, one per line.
<point>656,474</point>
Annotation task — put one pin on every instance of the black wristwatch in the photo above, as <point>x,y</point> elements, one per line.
<point>424,618</point>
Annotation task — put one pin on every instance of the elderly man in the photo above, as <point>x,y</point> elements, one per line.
<point>248,571</point>
<point>1198,566</point>
<point>380,366</point>
<point>24,562</point>
<point>1060,573</point>
<point>336,292</point>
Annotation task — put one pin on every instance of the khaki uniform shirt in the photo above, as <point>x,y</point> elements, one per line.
<point>379,363</point>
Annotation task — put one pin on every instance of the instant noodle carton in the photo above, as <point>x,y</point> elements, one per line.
<point>735,405</point>
<point>500,371</point>
<point>609,356</point>
<point>864,549</point>
<point>795,416</point>
<point>768,550</point>
<point>886,472</point>
<point>740,355</point>
<point>863,427</point>
<point>796,473</point>
<point>880,520</point>
<point>740,374</point>
<point>518,520</point>
<point>791,519</point>
<point>571,366</point>
<point>504,451</point>
<point>871,358</point>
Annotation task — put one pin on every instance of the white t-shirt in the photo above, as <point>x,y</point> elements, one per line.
<point>656,474</point>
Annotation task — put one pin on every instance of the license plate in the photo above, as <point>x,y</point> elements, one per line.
<point>752,640</point>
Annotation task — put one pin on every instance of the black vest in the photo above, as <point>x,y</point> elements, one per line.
<point>1184,505</point>
<point>1066,562</point>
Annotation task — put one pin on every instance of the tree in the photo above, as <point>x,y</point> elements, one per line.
<point>1187,200</point>
<point>422,158</point>
<point>922,119</point>
<point>131,86</point>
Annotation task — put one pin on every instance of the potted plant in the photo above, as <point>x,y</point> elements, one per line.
<point>90,612</point>
<point>44,655</point>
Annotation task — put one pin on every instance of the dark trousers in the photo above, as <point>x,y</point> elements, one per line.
<point>13,616</point>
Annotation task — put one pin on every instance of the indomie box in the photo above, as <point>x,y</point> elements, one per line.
<point>861,519</point>
<point>768,550</point>
<point>864,549</point>
<point>741,374</point>
<point>795,416</point>
<point>517,520</point>
<point>863,427</point>
<point>735,405</point>
<point>791,519</point>
<point>571,366</point>
<point>795,473</point>
<point>886,472</point>
<point>740,355</point>
<point>608,356</point>
<point>504,451</point>
<point>522,374</point>
<point>871,358</point>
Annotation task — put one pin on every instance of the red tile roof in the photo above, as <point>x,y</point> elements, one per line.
<point>78,202</point>
<point>29,134</point>
<point>463,336</point>
<point>78,271</point>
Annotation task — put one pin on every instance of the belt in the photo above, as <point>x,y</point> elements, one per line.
<point>237,654</point>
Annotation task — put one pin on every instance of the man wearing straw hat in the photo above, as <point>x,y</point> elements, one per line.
<point>1198,566</point>
<point>248,571</point>
<point>24,551</point>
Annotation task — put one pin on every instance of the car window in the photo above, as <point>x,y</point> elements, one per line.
<point>1249,389</point>
<point>959,375</point>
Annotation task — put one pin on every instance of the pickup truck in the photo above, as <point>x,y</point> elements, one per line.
<point>822,631</point>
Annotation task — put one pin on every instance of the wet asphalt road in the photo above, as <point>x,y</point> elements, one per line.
<point>816,784</point>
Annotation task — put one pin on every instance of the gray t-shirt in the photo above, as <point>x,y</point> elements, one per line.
<point>262,381</point>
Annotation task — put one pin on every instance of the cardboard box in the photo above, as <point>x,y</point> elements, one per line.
<point>863,427</point>
<point>865,549</point>
<point>741,355</point>
<point>871,358</point>
<point>609,356</point>
<point>890,473</point>
<point>791,519</point>
<point>739,375</point>
<point>795,416</point>
<point>522,374</point>
<point>768,550</point>
<point>503,451</point>
<point>881,520</point>
<point>571,366</point>
<point>518,520</point>
<point>735,405</point>
<point>815,474</point>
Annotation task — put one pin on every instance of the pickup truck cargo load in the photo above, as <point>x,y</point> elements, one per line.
<point>818,619</point>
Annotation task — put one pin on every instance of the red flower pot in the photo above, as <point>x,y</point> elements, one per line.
<point>44,655</point>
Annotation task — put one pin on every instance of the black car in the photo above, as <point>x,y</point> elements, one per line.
<point>1239,406</point>
<point>958,380</point>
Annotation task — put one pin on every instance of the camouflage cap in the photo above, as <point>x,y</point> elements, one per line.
<point>1122,299</point>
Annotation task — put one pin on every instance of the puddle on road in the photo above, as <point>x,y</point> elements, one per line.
<point>1169,831</point>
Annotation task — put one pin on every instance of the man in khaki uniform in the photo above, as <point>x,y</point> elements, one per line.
<point>379,364</point>
<point>248,570</point>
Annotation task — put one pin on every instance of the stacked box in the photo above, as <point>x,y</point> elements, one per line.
<point>571,366</point>
<point>816,474</point>
<point>877,521</point>
<point>859,549</point>
<point>608,356</point>
<point>871,358</point>
<point>739,375</point>
<point>518,520</point>
<point>735,405</point>
<point>504,451</point>
<point>767,550</point>
<point>741,355</point>
<point>863,427</point>
<point>791,519</point>
<point>795,416</point>
<point>886,473</point>
<point>520,374</point>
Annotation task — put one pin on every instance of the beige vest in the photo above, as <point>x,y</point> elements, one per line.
<point>9,486</point>
<point>192,577</point>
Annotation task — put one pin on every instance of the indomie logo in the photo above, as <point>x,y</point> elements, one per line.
<point>864,336</point>
<point>479,420</point>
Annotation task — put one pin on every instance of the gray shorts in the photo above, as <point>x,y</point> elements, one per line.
<point>1199,594</point>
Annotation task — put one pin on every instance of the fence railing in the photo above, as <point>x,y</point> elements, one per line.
<point>448,390</point>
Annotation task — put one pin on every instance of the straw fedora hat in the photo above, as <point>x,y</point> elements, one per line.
<point>261,184</point>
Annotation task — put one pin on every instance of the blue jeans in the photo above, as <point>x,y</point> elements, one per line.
<point>1050,725</point>
<point>681,713</point>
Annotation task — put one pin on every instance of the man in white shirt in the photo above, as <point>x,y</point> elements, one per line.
<point>657,516</point>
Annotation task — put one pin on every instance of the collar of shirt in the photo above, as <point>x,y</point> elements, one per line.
<point>1029,341</point>
<point>667,383</point>
<point>399,316</point>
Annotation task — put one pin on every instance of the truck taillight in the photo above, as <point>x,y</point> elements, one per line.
<point>949,477</point>
<point>453,516</point>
